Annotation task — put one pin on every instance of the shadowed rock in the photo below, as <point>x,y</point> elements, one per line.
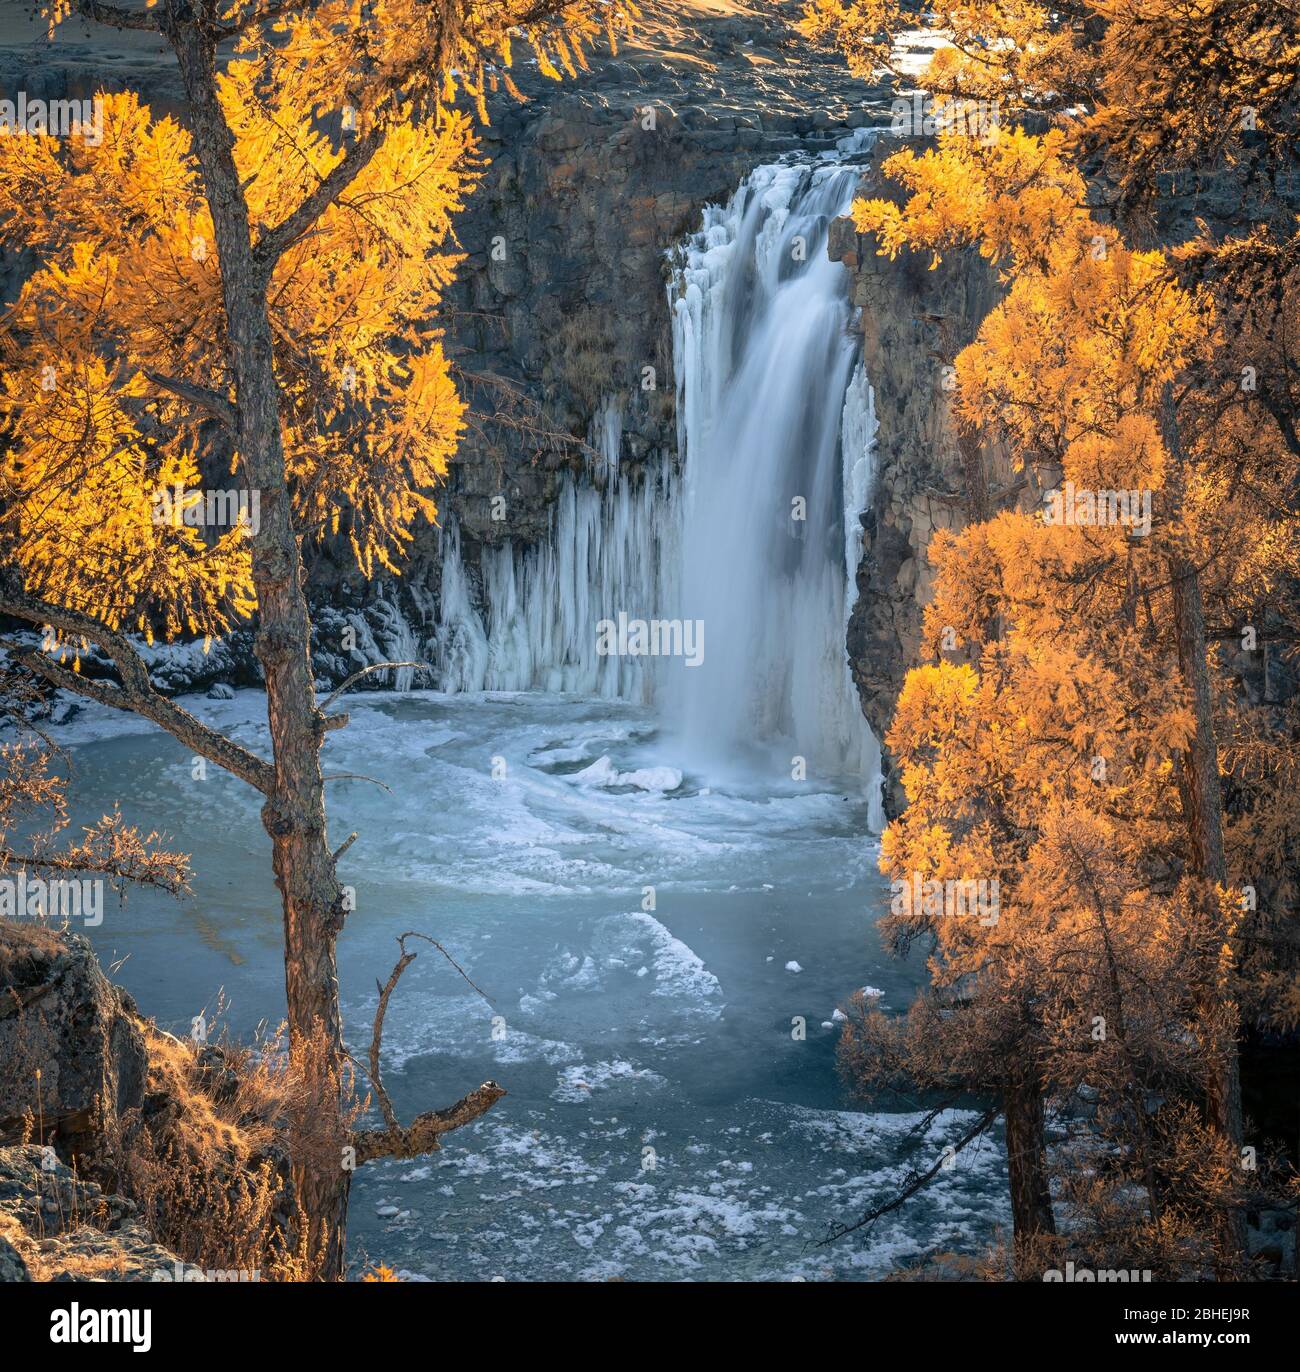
<point>72,1056</point>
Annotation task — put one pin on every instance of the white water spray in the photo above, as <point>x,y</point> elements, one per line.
<point>776,431</point>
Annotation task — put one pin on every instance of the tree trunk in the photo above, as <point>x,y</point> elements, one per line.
<point>1031,1198</point>
<point>1203,803</point>
<point>1203,808</point>
<point>294,815</point>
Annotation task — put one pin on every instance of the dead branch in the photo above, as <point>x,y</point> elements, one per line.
<point>136,693</point>
<point>358,776</point>
<point>216,404</point>
<point>423,1135</point>
<point>365,671</point>
<point>913,1182</point>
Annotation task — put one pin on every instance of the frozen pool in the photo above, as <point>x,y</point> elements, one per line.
<point>664,1121</point>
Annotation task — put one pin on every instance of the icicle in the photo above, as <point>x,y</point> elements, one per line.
<point>540,606</point>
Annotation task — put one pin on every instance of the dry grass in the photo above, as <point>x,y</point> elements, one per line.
<point>207,1159</point>
<point>14,1234</point>
<point>47,1264</point>
<point>585,346</point>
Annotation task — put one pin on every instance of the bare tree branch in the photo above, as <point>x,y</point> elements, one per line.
<point>358,776</point>
<point>275,241</point>
<point>913,1182</point>
<point>216,404</point>
<point>423,1135</point>
<point>136,693</point>
<point>365,671</point>
<point>120,18</point>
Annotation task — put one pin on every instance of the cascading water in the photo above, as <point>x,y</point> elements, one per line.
<point>775,429</point>
<point>758,538</point>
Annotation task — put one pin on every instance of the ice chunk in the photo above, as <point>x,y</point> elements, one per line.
<point>602,772</point>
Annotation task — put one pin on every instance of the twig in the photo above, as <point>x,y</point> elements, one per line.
<point>912,1183</point>
<point>365,671</point>
<point>357,776</point>
<point>422,1137</point>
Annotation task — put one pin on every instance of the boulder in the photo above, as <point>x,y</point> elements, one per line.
<point>72,1054</point>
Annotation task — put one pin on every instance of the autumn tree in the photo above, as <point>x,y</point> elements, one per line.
<point>1072,747</point>
<point>257,285</point>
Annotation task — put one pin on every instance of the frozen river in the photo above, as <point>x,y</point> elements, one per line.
<point>664,1118</point>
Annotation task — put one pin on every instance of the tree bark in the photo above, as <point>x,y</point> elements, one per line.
<point>1203,811</point>
<point>1031,1198</point>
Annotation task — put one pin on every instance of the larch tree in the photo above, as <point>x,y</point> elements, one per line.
<point>1069,742</point>
<point>257,282</point>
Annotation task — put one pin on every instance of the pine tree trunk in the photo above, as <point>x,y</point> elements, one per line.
<point>294,815</point>
<point>1203,802</point>
<point>1031,1198</point>
<point>1203,807</point>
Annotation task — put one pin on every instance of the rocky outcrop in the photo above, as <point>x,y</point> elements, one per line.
<point>72,1055</point>
<point>56,1226</point>
<point>92,1096</point>
<point>929,475</point>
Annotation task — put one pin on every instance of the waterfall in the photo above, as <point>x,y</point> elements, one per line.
<point>754,531</point>
<point>775,431</point>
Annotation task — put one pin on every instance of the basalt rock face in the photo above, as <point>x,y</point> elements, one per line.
<point>929,475</point>
<point>72,1056</point>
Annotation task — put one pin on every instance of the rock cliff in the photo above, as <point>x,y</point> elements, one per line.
<point>914,322</point>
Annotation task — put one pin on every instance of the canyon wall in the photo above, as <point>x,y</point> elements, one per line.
<point>915,319</point>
